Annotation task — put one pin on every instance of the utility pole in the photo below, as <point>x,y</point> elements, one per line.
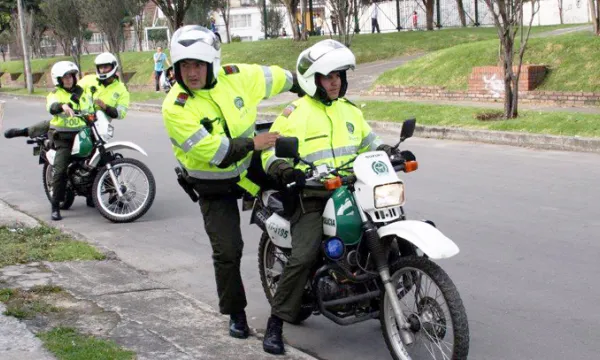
<point>28,77</point>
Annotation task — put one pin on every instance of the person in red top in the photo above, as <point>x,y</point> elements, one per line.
<point>415,20</point>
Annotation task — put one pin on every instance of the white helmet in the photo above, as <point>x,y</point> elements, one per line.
<point>195,42</point>
<point>322,58</point>
<point>106,58</point>
<point>61,69</point>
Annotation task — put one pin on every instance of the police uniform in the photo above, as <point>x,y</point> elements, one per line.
<point>114,95</point>
<point>63,130</point>
<point>327,134</point>
<point>212,132</point>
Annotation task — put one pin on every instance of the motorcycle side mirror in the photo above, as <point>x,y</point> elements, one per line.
<point>286,147</point>
<point>408,129</point>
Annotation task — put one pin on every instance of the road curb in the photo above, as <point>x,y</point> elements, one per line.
<point>537,141</point>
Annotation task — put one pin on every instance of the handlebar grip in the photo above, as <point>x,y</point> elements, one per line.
<point>31,141</point>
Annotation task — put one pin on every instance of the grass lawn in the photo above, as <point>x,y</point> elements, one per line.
<point>68,344</point>
<point>572,60</point>
<point>555,123</point>
<point>20,246</point>
<point>284,52</point>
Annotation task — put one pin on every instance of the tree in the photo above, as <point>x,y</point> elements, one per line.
<point>198,12</point>
<point>429,5</point>
<point>595,14</point>
<point>26,59</point>
<point>109,17</point>
<point>508,18</point>
<point>292,10</point>
<point>275,18</point>
<point>345,11</point>
<point>224,6</point>
<point>461,12</point>
<point>65,17</point>
<point>135,8</point>
<point>174,11</point>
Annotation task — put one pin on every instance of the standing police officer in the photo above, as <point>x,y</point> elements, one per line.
<point>209,115</point>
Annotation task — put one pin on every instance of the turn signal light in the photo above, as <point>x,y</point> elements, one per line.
<point>410,166</point>
<point>333,183</point>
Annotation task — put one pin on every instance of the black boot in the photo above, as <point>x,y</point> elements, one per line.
<point>238,325</point>
<point>272,343</point>
<point>56,213</point>
<point>11,133</point>
<point>89,202</point>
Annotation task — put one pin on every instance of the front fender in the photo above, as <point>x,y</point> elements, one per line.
<point>117,145</point>
<point>424,236</point>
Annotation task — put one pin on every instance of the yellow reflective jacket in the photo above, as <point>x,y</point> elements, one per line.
<point>211,131</point>
<point>329,135</point>
<point>60,121</point>
<point>114,95</point>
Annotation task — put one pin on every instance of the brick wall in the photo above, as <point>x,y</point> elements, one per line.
<point>491,78</point>
<point>440,93</point>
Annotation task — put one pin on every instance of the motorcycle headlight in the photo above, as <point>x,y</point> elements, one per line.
<point>389,195</point>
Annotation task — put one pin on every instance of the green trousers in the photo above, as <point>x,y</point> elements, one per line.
<point>63,144</point>
<point>38,129</point>
<point>307,233</point>
<point>222,224</point>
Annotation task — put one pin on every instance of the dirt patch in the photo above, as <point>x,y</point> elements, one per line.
<point>490,116</point>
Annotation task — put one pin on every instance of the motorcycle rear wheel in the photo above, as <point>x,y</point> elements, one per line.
<point>271,262</point>
<point>47,171</point>
<point>439,333</point>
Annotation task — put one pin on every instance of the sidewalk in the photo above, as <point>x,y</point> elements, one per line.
<point>114,300</point>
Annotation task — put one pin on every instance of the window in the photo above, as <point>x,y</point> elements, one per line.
<point>97,38</point>
<point>241,21</point>
<point>247,2</point>
<point>47,42</point>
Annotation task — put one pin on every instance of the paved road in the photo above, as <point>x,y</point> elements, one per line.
<point>527,223</point>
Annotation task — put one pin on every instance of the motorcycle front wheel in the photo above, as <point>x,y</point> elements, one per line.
<point>433,308</point>
<point>47,174</point>
<point>137,185</point>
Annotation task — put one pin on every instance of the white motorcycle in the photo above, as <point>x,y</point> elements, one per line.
<point>374,263</point>
<point>122,189</point>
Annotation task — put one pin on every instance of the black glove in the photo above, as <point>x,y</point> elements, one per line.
<point>408,155</point>
<point>390,151</point>
<point>291,175</point>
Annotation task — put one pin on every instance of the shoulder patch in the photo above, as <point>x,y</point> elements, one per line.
<point>288,110</point>
<point>181,99</point>
<point>231,69</point>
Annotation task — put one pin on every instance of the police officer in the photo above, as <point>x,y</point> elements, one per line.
<point>108,92</point>
<point>209,115</point>
<point>67,98</point>
<point>330,130</point>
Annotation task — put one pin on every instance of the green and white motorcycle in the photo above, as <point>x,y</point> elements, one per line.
<point>122,189</point>
<point>374,263</point>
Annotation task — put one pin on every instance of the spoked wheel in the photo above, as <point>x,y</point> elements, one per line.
<point>433,308</point>
<point>137,184</point>
<point>271,262</point>
<point>47,173</point>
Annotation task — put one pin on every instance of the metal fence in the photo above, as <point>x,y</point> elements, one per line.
<point>395,15</point>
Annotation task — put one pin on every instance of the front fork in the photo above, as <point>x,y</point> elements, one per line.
<point>113,178</point>
<point>379,253</point>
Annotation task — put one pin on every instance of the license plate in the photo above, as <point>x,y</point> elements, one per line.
<point>36,151</point>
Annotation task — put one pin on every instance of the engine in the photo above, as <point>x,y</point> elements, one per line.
<point>81,179</point>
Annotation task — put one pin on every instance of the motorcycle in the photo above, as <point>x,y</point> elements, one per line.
<point>98,171</point>
<point>374,262</point>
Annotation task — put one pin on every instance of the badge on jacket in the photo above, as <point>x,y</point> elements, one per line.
<point>239,102</point>
<point>181,99</point>
<point>350,127</point>
<point>231,69</point>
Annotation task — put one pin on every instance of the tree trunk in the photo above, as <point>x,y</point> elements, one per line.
<point>598,18</point>
<point>303,33</point>
<point>225,14</point>
<point>26,59</point>
<point>560,11</point>
<point>593,14</point>
<point>292,17</point>
<point>511,93</point>
<point>461,12</point>
<point>429,5</point>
